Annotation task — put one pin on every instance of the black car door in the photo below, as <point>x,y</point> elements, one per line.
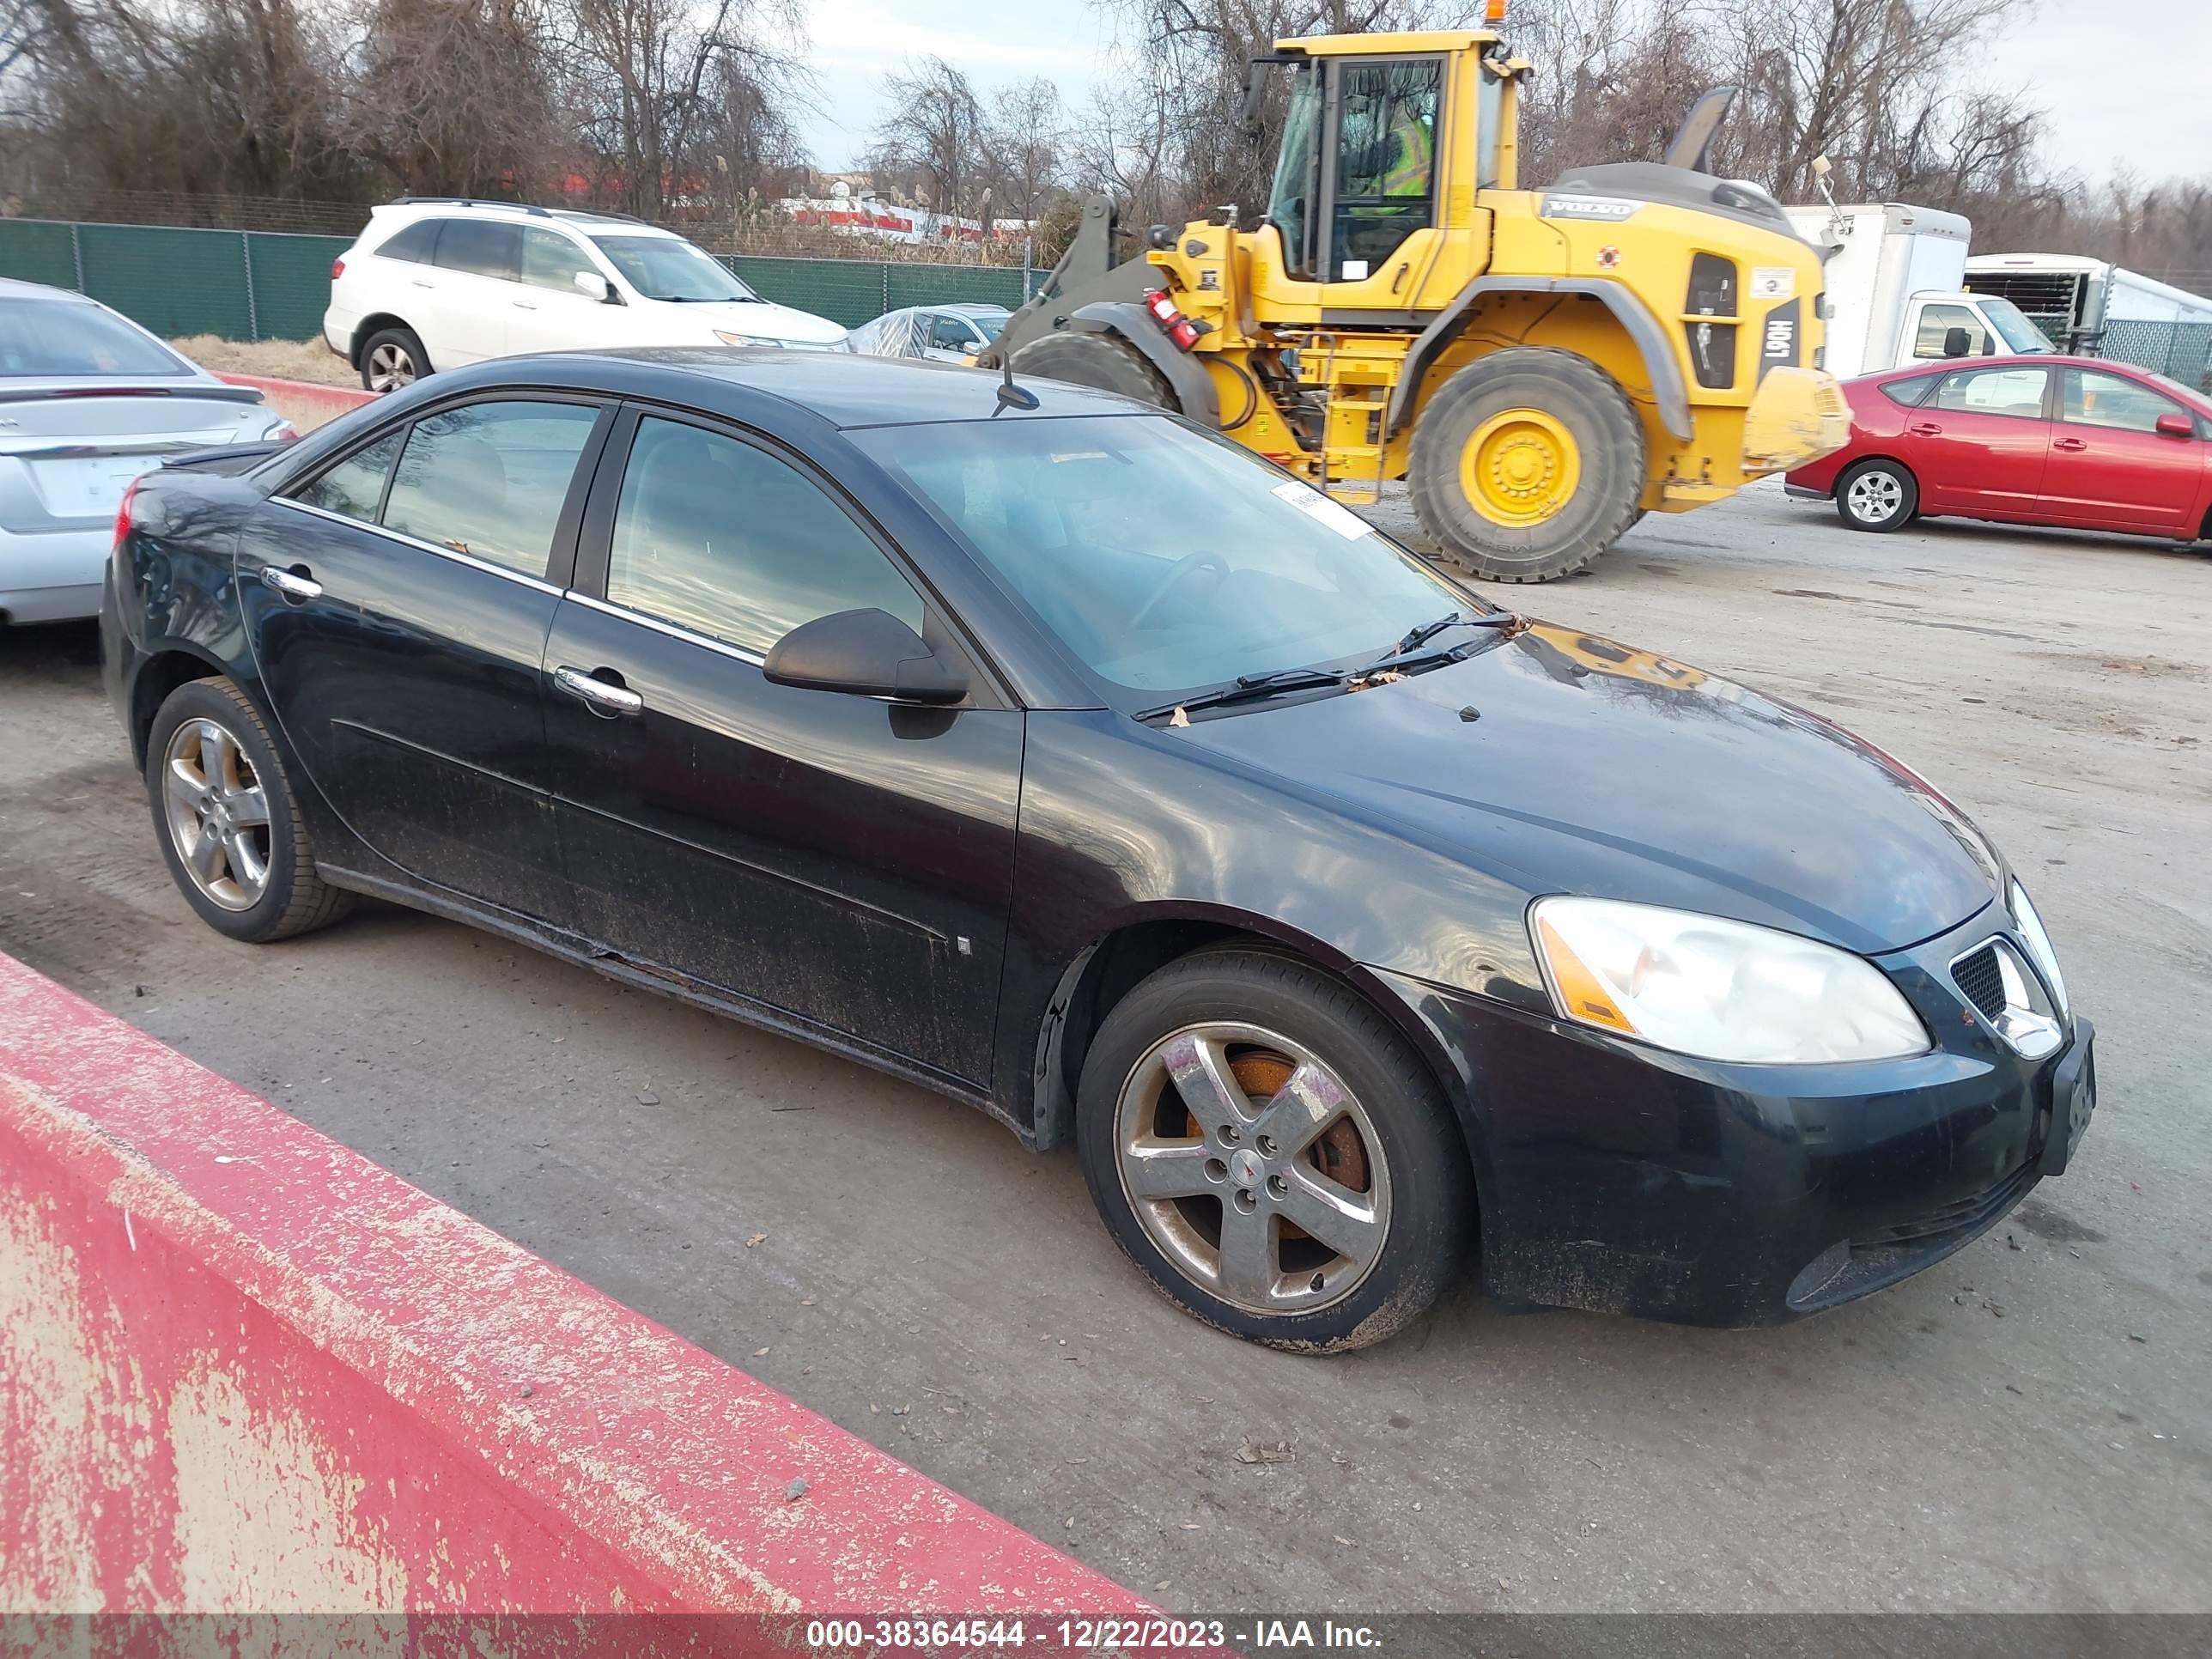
<point>397,604</point>
<point>844,859</point>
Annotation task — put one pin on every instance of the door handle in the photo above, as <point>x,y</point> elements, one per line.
<point>524,305</point>
<point>419,283</point>
<point>1926,430</point>
<point>294,585</point>
<point>2071,446</point>
<point>604,697</point>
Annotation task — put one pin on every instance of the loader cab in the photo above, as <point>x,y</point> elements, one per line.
<point>1382,154</point>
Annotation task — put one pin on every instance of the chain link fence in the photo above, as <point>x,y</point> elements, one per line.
<point>246,284</point>
<point>2180,351</point>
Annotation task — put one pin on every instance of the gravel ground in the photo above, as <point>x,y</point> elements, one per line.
<point>2025,1427</point>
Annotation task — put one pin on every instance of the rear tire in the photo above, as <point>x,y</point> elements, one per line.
<point>1526,464</point>
<point>1879,496</point>
<point>230,829</point>
<point>1103,362</point>
<point>393,359</point>
<point>1378,1168</point>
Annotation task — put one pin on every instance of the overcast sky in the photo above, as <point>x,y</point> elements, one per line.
<point>2122,79</point>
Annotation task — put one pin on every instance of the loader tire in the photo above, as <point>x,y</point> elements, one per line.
<point>1103,362</point>
<point>1526,464</point>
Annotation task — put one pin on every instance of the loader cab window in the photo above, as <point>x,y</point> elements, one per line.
<point>1297,174</point>
<point>1385,161</point>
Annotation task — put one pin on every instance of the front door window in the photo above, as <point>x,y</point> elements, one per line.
<point>1386,161</point>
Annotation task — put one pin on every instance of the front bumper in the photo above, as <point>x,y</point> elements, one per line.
<point>1622,1179</point>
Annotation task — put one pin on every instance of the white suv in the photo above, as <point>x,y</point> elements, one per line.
<point>437,282</point>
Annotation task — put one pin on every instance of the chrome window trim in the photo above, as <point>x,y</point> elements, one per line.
<point>674,631</point>
<point>405,540</point>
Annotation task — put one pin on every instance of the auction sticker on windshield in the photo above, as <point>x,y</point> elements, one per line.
<point>1324,510</point>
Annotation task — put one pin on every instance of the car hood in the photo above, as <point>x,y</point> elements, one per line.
<point>761,319</point>
<point>1568,764</point>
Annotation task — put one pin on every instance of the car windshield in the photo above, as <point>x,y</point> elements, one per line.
<point>670,267</point>
<point>1165,561</point>
<point>2019,335</point>
<point>49,336</point>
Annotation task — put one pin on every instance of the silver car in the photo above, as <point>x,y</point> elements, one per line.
<point>89,400</point>
<point>949,333</point>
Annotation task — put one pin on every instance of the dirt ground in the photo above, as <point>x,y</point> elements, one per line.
<point>282,359</point>
<point>2026,1427</point>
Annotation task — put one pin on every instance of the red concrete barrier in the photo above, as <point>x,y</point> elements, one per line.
<point>244,1370</point>
<point>303,403</point>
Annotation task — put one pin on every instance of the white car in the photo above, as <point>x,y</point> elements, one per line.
<point>436,283</point>
<point>88,400</point>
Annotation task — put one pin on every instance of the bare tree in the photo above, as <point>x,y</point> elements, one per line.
<point>1025,142</point>
<point>416,103</point>
<point>934,130</point>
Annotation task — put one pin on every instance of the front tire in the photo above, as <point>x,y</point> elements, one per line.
<point>1526,464</point>
<point>229,826</point>
<point>1104,361</point>
<point>1271,1154</point>
<point>1878,495</point>
<point>393,359</point>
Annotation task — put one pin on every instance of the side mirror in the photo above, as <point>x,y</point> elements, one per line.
<point>868,653</point>
<point>599,288</point>
<point>2176,426</point>
<point>1957,343</point>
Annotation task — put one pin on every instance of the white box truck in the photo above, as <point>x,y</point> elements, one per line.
<point>1896,290</point>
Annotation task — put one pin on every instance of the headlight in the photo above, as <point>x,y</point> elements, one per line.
<point>728,338</point>
<point>1717,989</point>
<point>2038,940</point>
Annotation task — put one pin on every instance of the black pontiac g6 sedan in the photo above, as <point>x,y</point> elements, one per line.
<point>1033,746</point>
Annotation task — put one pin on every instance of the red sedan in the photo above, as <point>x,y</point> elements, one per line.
<point>2077,441</point>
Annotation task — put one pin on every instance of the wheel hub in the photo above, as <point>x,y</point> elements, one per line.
<point>1252,1167</point>
<point>1521,467</point>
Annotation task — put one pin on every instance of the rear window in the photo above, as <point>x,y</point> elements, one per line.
<point>1911,393</point>
<point>413,242</point>
<point>480,247</point>
<point>56,338</point>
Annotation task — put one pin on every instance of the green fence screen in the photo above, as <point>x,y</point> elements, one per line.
<point>269,285</point>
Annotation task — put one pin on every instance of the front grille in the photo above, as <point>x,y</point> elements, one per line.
<point>1981,981</point>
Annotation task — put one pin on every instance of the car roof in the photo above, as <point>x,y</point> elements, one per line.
<point>846,390</point>
<point>13,287</point>
<point>970,307</point>
<point>461,207</point>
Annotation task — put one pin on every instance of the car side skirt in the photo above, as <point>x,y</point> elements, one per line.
<point>572,948</point>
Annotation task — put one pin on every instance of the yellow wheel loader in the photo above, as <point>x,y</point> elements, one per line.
<point>1542,366</point>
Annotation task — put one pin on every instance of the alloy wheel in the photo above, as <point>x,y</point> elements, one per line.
<point>390,368</point>
<point>217,814</point>
<point>1875,496</point>
<point>1252,1168</point>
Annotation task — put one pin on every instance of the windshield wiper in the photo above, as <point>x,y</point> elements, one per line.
<point>1249,688</point>
<point>1402,655</point>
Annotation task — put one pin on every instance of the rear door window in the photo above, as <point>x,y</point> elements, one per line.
<point>489,479</point>
<point>353,489</point>
<point>2014,391</point>
<point>482,247</point>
